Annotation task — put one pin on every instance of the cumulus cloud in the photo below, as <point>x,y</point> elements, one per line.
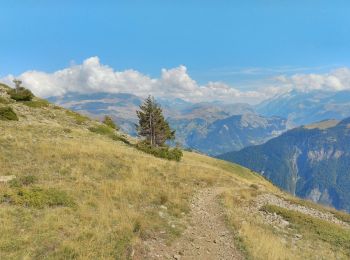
<point>336,80</point>
<point>92,76</point>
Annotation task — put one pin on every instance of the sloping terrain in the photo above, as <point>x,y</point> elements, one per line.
<point>207,236</point>
<point>120,106</point>
<point>311,162</point>
<point>68,191</point>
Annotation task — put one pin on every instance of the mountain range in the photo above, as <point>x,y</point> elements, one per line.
<point>209,127</point>
<point>303,108</point>
<point>311,162</point>
<point>231,133</point>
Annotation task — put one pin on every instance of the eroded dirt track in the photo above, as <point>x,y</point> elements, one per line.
<point>207,236</point>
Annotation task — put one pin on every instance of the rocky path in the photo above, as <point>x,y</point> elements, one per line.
<point>274,200</point>
<point>207,236</point>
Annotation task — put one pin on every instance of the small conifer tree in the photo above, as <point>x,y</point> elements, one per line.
<point>152,124</point>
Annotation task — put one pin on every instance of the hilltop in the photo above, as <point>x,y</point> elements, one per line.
<point>71,191</point>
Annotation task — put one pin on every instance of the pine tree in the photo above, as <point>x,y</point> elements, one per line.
<point>152,124</point>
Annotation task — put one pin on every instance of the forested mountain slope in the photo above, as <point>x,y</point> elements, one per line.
<point>311,162</point>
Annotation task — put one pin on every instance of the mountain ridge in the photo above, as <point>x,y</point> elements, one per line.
<point>312,163</point>
<point>303,107</point>
<point>196,124</point>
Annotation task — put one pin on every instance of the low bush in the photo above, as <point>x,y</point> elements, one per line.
<point>23,181</point>
<point>38,103</point>
<point>102,130</point>
<point>254,186</point>
<point>120,138</point>
<point>7,113</point>
<point>163,198</point>
<point>161,152</point>
<point>108,121</point>
<point>38,198</point>
<point>21,94</point>
<point>79,119</point>
<point>108,131</point>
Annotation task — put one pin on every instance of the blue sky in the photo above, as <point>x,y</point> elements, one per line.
<point>230,41</point>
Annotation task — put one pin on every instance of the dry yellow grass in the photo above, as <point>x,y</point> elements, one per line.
<point>261,240</point>
<point>117,192</point>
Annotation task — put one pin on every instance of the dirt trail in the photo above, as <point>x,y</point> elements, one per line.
<point>207,236</point>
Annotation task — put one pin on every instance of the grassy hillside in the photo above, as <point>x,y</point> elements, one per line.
<point>80,194</point>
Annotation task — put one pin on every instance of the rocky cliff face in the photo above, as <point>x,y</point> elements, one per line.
<point>231,133</point>
<point>312,163</point>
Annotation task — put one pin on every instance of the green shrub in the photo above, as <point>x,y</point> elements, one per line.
<point>163,198</point>
<point>57,107</point>
<point>137,226</point>
<point>7,113</point>
<point>21,94</point>
<point>36,103</point>
<point>161,152</point>
<point>120,138</point>
<point>109,132</point>
<point>38,198</point>
<point>79,119</point>
<point>108,121</point>
<point>23,181</point>
<point>102,130</point>
<point>254,186</point>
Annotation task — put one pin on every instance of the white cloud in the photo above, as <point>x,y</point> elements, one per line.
<point>336,80</point>
<point>92,76</point>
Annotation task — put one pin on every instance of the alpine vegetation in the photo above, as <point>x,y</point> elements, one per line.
<point>156,131</point>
